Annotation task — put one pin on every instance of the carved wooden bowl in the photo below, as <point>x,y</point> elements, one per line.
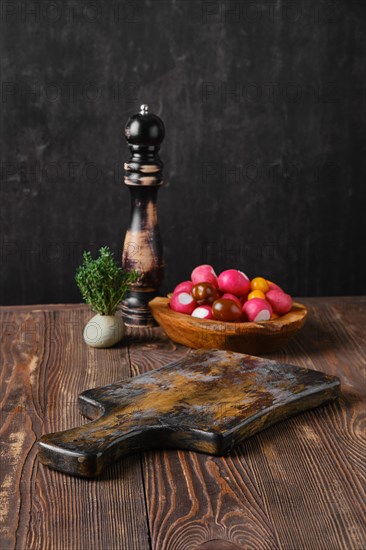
<point>251,338</point>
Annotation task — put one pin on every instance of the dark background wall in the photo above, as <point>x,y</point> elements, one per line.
<point>264,150</point>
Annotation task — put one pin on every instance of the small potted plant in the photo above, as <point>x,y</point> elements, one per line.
<point>103,285</point>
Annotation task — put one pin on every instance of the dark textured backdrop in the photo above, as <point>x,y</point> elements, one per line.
<point>264,150</point>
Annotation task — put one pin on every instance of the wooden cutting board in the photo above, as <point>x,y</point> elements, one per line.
<point>209,402</point>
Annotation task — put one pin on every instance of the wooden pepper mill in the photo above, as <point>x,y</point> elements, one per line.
<point>143,250</point>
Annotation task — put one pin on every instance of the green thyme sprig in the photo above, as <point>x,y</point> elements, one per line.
<point>102,282</point>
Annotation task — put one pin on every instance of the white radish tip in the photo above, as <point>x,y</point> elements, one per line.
<point>263,315</point>
<point>200,312</point>
<point>184,298</point>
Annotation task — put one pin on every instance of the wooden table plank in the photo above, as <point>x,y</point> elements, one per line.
<point>45,367</point>
<point>311,472</point>
<point>297,485</point>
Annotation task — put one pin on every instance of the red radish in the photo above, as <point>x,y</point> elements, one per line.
<point>235,299</point>
<point>204,274</point>
<point>234,282</point>
<point>203,312</point>
<point>185,286</point>
<point>182,302</point>
<point>257,310</point>
<point>273,286</point>
<point>280,301</point>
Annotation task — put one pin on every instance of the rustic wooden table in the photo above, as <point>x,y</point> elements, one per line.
<point>297,485</point>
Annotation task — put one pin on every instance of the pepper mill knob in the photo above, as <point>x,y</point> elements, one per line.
<point>143,249</point>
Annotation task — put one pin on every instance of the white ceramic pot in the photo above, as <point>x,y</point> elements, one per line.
<point>104,331</point>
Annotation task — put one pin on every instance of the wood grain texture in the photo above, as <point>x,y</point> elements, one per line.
<point>298,485</point>
<point>45,365</point>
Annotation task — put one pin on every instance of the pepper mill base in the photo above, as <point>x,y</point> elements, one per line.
<point>135,310</point>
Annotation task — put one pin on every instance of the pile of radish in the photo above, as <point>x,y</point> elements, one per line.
<point>229,297</point>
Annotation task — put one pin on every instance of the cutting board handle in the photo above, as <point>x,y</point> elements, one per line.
<point>88,449</point>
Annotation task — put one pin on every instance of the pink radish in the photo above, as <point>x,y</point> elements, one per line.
<point>203,312</point>
<point>185,286</point>
<point>234,282</point>
<point>257,310</point>
<point>204,274</point>
<point>235,299</point>
<point>280,301</point>
<point>182,302</point>
<point>273,286</point>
